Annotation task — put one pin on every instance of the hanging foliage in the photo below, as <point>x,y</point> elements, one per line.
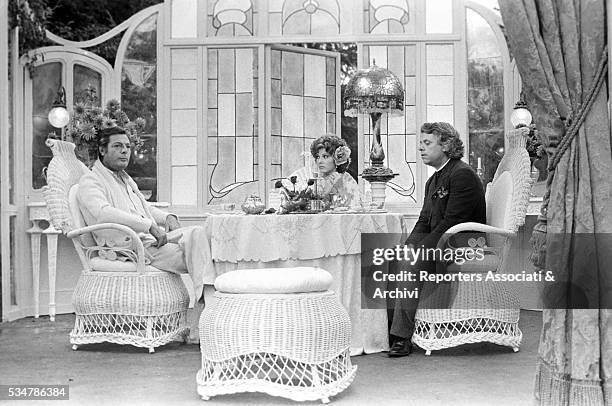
<point>31,17</point>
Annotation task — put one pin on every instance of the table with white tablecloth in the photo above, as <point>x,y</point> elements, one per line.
<point>329,241</point>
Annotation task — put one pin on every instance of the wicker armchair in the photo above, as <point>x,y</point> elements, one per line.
<point>482,312</point>
<point>118,298</point>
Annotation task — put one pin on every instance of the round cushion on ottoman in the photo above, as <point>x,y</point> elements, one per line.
<point>280,332</point>
<point>274,280</point>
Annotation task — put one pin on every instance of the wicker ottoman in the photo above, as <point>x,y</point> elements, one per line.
<point>277,331</point>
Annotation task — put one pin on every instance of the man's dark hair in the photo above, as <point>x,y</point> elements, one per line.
<point>104,137</point>
<point>447,136</point>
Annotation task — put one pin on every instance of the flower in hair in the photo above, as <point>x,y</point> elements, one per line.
<point>342,155</point>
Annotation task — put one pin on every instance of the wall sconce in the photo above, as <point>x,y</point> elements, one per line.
<point>58,116</point>
<point>520,117</point>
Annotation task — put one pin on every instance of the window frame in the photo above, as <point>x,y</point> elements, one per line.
<point>68,58</point>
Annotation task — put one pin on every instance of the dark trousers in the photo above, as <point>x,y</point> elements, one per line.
<point>404,310</point>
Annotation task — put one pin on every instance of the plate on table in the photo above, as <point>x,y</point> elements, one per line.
<point>343,210</point>
<point>377,211</point>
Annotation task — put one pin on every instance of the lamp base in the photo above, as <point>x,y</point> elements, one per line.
<point>378,173</point>
<point>378,176</point>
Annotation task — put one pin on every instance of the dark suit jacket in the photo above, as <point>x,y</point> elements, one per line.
<point>453,195</point>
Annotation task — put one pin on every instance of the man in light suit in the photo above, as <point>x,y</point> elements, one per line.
<point>109,194</point>
<point>453,195</point>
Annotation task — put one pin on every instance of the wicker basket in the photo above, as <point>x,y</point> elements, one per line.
<point>290,345</point>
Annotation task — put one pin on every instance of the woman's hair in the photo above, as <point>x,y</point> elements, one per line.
<point>104,137</point>
<point>330,143</point>
<point>448,137</point>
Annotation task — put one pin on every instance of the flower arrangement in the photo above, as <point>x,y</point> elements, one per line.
<point>292,200</point>
<point>88,119</point>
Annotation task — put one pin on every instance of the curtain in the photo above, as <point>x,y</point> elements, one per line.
<point>559,45</point>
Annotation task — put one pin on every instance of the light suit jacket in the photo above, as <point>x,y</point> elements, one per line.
<point>103,199</point>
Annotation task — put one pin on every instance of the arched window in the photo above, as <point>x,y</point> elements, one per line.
<point>76,71</point>
<point>491,86</point>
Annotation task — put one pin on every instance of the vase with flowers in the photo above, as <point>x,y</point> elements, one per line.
<point>87,119</point>
<point>293,199</point>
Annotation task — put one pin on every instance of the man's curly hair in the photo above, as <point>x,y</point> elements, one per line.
<point>448,137</point>
<point>330,143</point>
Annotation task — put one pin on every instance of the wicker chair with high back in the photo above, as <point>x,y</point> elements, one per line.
<point>118,297</point>
<point>481,311</point>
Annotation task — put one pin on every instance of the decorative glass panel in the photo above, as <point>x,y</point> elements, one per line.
<point>485,95</point>
<point>45,83</point>
<point>398,133</point>
<point>233,167</point>
<point>303,107</point>
<point>231,18</point>
<point>389,16</point>
<point>139,99</point>
<point>320,17</point>
<point>84,79</point>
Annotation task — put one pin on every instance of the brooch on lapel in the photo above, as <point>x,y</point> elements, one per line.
<point>441,193</point>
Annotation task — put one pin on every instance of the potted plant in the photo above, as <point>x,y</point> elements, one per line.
<point>87,119</point>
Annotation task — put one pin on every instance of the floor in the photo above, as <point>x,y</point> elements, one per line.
<point>37,351</point>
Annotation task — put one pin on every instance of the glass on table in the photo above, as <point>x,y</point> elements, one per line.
<point>228,207</point>
<point>338,202</point>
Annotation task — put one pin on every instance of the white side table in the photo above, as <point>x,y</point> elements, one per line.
<point>38,214</point>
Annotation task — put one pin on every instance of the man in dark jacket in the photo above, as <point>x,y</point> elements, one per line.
<point>453,195</point>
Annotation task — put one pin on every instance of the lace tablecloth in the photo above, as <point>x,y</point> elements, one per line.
<point>296,236</point>
<point>328,241</point>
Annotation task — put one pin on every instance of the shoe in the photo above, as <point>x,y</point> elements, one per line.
<point>400,348</point>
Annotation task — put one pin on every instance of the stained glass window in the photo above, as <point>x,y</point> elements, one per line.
<point>231,18</point>
<point>233,142</point>
<point>320,17</point>
<point>303,106</point>
<point>389,16</point>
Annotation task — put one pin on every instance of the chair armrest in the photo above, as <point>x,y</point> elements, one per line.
<point>472,226</point>
<point>139,248</point>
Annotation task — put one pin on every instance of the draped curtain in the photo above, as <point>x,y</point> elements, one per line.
<point>558,46</point>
